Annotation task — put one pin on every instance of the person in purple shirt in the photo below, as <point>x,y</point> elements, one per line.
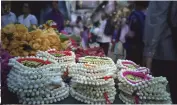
<point>84,37</point>
<point>56,16</point>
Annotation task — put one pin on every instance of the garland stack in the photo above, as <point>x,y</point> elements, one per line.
<point>130,65</point>
<point>101,61</point>
<point>91,84</point>
<point>64,58</point>
<point>139,87</point>
<point>36,80</point>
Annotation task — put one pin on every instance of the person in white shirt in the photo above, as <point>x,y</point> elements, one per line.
<point>124,30</point>
<point>8,17</point>
<point>27,19</point>
<point>77,26</point>
<point>103,40</point>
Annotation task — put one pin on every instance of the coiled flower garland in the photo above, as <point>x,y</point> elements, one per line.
<point>101,61</point>
<point>91,84</point>
<point>137,86</point>
<point>130,65</point>
<point>36,80</point>
<point>59,56</point>
<point>64,58</point>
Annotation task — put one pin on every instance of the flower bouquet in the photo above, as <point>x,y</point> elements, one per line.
<point>18,41</point>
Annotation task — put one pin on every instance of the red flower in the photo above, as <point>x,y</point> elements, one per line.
<point>107,77</point>
<point>107,98</point>
<point>34,59</point>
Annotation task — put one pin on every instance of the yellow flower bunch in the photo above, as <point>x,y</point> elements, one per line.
<point>19,42</point>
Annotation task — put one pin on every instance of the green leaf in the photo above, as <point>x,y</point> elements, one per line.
<point>63,38</point>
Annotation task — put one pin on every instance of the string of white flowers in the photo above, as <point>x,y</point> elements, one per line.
<point>106,63</point>
<point>40,85</point>
<point>63,59</point>
<point>121,65</point>
<point>90,82</point>
<point>147,89</point>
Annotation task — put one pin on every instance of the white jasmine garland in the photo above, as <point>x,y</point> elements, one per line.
<point>90,100</point>
<point>107,62</point>
<point>88,83</point>
<point>147,89</point>
<point>121,65</point>
<point>43,83</point>
<point>63,59</point>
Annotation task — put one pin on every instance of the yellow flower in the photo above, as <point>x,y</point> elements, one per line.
<point>32,53</point>
<point>8,29</point>
<point>14,52</point>
<point>21,28</point>
<point>15,44</point>
<point>36,34</point>
<point>25,53</point>
<point>53,39</point>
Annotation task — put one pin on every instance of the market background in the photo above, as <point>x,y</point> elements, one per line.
<point>70,10</point>
<point>90,11</point>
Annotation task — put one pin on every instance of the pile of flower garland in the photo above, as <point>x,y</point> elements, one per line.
<point>130,65</point>
<point>91,84</point>
<point>36,80</point>
<point>139,87</point>
<point>60,56</point>
<point>101,61</point>
<point>64,58</point>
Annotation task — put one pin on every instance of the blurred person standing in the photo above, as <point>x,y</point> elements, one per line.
<point>8,17</point>
<point>106,31</point>
<point>84,37</point>
<point>77,26</point>
<point>159,51</point>
<point>27,19</point>
<point>134,40</point>
<point>93,35</point>
<point>119,50</point>
<point>56,16</point>
<point>44,12</point>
